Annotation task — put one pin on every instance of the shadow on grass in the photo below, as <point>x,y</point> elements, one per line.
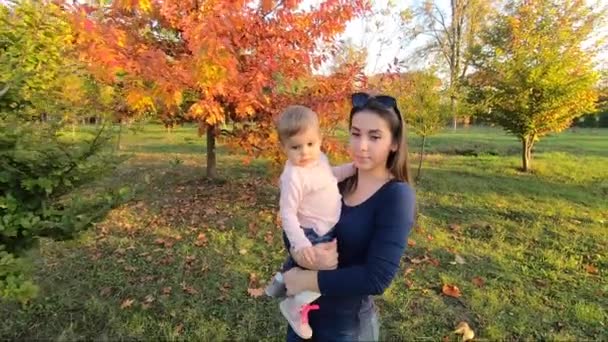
<point>174,263</point>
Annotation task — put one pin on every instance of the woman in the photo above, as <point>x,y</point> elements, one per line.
<point>378,209</point>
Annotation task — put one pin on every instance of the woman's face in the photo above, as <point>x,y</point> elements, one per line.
<point>371,141</point>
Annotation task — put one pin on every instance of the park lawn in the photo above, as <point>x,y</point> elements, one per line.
<point>177,261</point>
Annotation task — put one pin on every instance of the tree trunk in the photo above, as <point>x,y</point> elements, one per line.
<point>119,135</point>
<point>527,143</point>
<point>421,156</point>
<point>453,105</point>
<point>211,164</point>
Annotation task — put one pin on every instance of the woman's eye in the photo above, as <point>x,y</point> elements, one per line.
<point>354,134</point>
<point>375,138</point>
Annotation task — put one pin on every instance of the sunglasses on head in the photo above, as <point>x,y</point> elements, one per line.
<point>361,99</point>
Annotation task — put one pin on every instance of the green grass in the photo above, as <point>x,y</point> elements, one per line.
<point>531,237</point>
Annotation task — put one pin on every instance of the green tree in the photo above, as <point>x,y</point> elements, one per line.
<point>43,87</point>
<point>421,100</point>
<point>537,76</point>
<point>423,109</point>
<point>450,35</point>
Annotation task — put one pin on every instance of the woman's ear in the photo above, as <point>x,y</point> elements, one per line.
<point>394,147</point>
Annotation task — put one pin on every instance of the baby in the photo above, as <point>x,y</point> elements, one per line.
<point>310,204</point>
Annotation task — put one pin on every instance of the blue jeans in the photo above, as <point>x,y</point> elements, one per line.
<point>363,326</point>
<point>314,238</point>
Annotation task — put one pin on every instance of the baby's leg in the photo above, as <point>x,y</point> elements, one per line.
<point>306,297</point>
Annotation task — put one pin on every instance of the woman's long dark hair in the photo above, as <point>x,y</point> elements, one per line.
<point>398,161</point>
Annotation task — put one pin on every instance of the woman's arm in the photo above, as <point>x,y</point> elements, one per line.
<point>386,248</point>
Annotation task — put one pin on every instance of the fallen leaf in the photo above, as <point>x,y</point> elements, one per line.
<point>253,280</point>
<point>268,238</point>
<point>189,289</point>
<point>127,303</point>
<point>105,291</point>
<point>190,259</point>
<point>458,260</point>
<point>255,293</point>
<point>478,281</point>
<point>167,290</point>
<point>120,251</point>
<point>451,291</point>
<point>408,271</point>
<point>411,242</point>
<point>454,227</point>
<point>159,241</point>
<point>242,251</point>
<point>130,269</point>
<point>149,299</point>
<point>429,237</point>
<point>591,269</point>
<point>210,211</point>
<point>409,284</point>
<point>179,328</point>
<point>167,260</point>
<point>201,240</point>
<point>417,261</point>
<point>463,329</point>
<point>434,262</point>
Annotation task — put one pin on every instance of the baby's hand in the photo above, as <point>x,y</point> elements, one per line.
<point>309,254</point>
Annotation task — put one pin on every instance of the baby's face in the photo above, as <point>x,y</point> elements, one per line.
<point>303,148</point>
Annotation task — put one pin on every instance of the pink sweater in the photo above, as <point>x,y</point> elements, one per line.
<point>310,198</point>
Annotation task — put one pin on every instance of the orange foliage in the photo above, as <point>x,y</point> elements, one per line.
<point>232,55</point>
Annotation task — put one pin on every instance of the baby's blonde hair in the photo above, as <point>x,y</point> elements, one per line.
<point>294,119</point>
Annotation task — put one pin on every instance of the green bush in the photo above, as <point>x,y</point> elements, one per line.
<point>39,173</point>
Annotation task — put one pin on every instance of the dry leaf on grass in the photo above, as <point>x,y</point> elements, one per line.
<point>463,329</point>
<point>127,303</point>
<point>255,293</point>
<point>458,260</point>
<point>417,261</point>
<point>454,227</point>
<point>105,291</point>
<point>591,269</point>
<point>478,281</point>
<point>201,240</point>
<point>451,291</point>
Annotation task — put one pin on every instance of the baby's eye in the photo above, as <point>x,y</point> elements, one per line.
<point>295,147</point>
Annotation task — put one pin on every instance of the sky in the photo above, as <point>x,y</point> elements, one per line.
<point>380,55</point>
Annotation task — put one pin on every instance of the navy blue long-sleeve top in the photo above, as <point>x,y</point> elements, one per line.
<point>372,238</point>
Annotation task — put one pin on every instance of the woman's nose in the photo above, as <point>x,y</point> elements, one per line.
<point>363,144</point>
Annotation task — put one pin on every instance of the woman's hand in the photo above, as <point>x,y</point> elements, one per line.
<point>298,280</point>
<point>326,257</point>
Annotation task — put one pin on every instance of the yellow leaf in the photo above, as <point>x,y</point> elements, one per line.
<point>463,329</point>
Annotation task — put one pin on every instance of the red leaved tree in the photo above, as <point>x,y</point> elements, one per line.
<point>228,65</point>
